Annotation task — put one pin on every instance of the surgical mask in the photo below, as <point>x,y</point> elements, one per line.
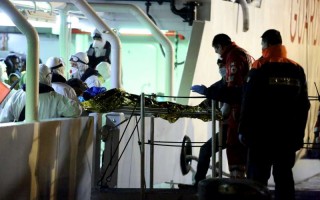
<point>223,71</point>
<point>73,70</point>
<point>75,73</point>
<point>81,68</point>
<point>97,44</point>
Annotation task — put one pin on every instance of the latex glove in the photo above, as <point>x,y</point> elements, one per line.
<point>201,89</point>
<point>242,139</point>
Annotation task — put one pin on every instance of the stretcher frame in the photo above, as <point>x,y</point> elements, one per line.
<point>150,112</point>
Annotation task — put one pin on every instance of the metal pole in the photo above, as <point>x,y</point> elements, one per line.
<point>151,151</point>
<point>64,46</point>
<point>213,141</point>
<point>142,115</point>
<point>220,149</point>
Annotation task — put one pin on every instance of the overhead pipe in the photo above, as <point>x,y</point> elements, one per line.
<point>32,94</point>
<point>64,39</point>
<point>114,40</point>
<point>245,12</point>
<point>156,32</point>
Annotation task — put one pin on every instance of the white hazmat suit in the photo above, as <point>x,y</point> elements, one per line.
<point>51,104</point>
<point>81,70</point>
<point>59,85</point>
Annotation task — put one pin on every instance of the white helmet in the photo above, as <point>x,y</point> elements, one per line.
<point>80,57</point>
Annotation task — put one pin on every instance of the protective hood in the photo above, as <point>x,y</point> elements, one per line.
<point>45,74</point>
<point>104,69</point>
<point>56,65</point>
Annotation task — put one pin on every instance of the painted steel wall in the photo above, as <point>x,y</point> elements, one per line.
<point>49,159</point>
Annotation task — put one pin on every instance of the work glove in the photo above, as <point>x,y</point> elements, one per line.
<point>200,89</point>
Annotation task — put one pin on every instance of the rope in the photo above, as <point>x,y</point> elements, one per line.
<point>109,164</point>
<point>111,173</point>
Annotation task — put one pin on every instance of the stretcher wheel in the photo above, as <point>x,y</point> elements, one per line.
<point>185,155</point>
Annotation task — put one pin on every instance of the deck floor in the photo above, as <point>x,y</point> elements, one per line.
<point>305,190</point>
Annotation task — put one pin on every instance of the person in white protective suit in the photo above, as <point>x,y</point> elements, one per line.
<point>82,71</point>
<point>51,104</point>
<point>59,84</point>
<point>99,50</point>
<point>104,68</point>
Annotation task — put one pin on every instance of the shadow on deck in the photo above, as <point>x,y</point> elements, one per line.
<point>171,194</point>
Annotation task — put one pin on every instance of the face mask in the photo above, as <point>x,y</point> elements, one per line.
<point>223,71</point>
<point>97,44</point>
<point>73,70</point>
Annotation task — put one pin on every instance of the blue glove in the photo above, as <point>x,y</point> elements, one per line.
<point>201,89</point>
